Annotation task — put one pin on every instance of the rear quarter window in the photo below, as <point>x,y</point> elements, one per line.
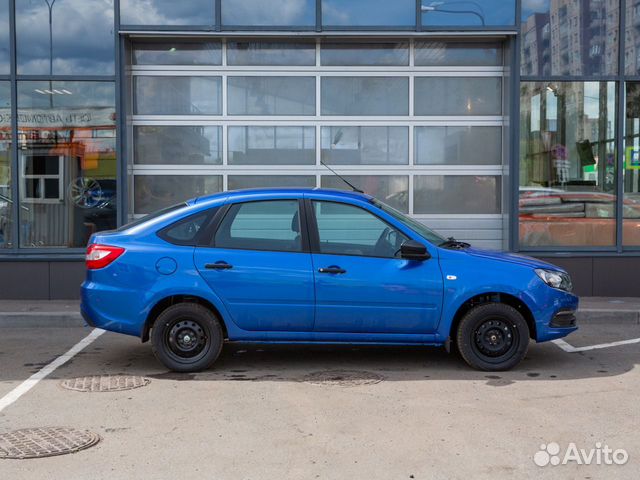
<point>187,230</point>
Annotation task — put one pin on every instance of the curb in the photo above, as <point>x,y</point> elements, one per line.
<point>615,317</point>
<point>74,319</point>
<point>41,319</point>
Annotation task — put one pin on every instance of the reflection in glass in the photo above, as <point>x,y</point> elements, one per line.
<point>457,194</point>
<point>153,192</point>
<point>569,37</point>
<point>5,59</point>
<point>271,95</point>
<point>177,95</point>
<point>632,37</point>
<point>476,13</point>
<point>365,95</point>
<point>453,145</point>
<point>258,53</point>
<point>166,12</point>
<point>458,96</point>
<point>282,145</point>
<point>631,200</point>
<point>237,182</point>
<point>368,13</point>
<point>451,53</point>
<point>567,164</point>
<point>342,145</point>
<point>364,54</point>
<point>390,189</point>
<point>177,52</point>
<point>67,162</point>
<point>6,201</point>
<point>81,34</point>
<point>177,145</point>
<point>274,13</point>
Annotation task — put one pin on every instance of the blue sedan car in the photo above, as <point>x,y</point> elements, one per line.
<point>315,266</point>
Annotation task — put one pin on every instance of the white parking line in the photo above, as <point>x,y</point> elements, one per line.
<point>571,349</point>
<point>31,382</point>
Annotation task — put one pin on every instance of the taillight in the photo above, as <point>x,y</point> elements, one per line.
<point>99,256</point>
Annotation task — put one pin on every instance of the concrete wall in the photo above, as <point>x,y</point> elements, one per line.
<point>48,280</point>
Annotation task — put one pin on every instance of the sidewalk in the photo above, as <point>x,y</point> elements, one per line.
<point>65,313</point>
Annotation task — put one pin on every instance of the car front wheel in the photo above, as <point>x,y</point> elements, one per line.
<point>493,337</point>
<point>187,337</point>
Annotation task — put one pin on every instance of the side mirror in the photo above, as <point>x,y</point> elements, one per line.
<point>412,250</point>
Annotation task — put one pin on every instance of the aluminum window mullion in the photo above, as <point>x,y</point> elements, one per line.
<point>217,70</point>
<point>313,120</point>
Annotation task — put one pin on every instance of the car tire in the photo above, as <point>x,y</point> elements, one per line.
<point>187,337</point>
<point>493,337</point>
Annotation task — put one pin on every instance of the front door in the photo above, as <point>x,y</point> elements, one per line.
<point>260,267</point>
<point>362,285</point>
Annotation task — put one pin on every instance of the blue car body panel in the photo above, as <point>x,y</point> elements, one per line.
<point>281,297</point>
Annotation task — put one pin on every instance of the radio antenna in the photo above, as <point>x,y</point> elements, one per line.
<point>355,189</point>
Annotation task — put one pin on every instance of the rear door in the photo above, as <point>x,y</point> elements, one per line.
<point>362,284</point>
<point>259,264</point>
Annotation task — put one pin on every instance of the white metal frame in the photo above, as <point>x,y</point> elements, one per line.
<point>410,121</point>
<point>41,179</point>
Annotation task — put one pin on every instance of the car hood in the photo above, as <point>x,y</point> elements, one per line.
<point>511,258</point>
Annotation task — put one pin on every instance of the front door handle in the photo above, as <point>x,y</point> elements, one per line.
<point>332,269</point>
<point>218,266</point>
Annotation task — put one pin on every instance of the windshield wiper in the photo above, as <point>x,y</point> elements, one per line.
<point>454,244</point>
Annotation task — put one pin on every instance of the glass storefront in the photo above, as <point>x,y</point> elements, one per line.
<point>567,164</point>
<point>631,174</point>
<point>6,197</point>
<point>66,161</point>
<point>420,121</point>
<point>573,95</point>
<point>65,37</point>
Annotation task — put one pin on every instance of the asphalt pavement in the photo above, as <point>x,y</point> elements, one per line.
<point>333,412</point>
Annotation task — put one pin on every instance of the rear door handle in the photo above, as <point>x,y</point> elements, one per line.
<point>218,266</point>
<point>332,269</point>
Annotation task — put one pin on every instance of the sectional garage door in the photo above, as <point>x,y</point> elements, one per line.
<point>419,123</point>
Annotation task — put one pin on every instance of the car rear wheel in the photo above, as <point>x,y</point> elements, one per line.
<point>187,337</point>
<point>493,337</point>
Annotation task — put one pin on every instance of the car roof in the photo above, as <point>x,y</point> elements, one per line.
<point>271,191</point>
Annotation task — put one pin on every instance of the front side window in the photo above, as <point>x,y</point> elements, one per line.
<point>349,230</point>
<point>272,225</point>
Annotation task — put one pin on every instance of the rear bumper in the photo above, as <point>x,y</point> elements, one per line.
<point>110,309</point>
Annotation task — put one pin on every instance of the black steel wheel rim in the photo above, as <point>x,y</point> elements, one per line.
<point>495,339</point>
<point>187,340</point>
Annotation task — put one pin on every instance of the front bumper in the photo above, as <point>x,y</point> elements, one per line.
<point>557,317</point>
<point>564,319</point>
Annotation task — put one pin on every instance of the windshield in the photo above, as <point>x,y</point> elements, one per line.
<point>151,216</point>
<point>414,225</point>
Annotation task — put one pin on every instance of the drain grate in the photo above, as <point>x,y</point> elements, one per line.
<point>343,378</point>
<point>105,383</point>
<point>45,442</point>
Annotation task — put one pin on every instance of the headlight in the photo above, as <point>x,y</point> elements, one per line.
<point>555,279</point>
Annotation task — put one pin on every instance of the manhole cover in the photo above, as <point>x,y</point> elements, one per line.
<point>343,378</point>
<point>45,442</point>
<point>104,383</point>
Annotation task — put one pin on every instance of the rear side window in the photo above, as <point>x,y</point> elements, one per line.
<point>185,231</point>
<point>267,225</point>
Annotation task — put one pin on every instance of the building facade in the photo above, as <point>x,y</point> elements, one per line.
<point>510,124</point>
